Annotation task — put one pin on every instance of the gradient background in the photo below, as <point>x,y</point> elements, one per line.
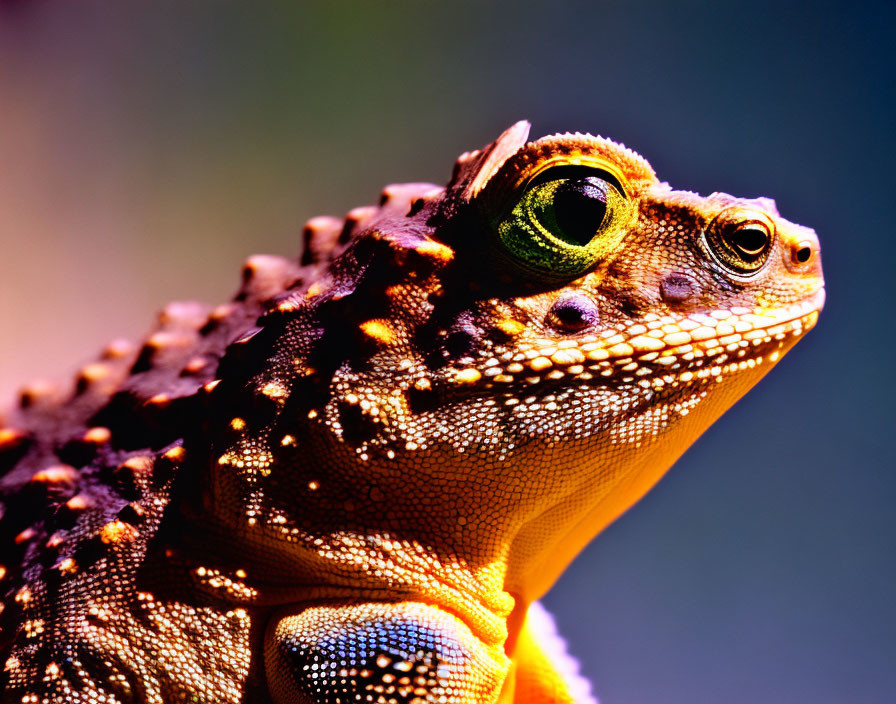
<point>146,148</point>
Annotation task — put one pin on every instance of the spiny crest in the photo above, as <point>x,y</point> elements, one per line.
<point>324,238</point>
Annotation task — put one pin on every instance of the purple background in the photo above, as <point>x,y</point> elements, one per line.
<point>146,148</point>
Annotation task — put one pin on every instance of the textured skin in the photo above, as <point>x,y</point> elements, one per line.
<point>351,482</point>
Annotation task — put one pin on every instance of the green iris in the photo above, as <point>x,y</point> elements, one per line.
<point>562,225</point>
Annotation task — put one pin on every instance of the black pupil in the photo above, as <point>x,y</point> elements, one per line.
<point>750,240</point>
<point>580,206</point>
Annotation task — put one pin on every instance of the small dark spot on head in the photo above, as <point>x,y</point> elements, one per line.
<point>573,313</point>
<point>462,338</point>
<point>676,289</point>
<point>416,207</point>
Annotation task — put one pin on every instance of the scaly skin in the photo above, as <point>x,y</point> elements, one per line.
<point>353,482</point>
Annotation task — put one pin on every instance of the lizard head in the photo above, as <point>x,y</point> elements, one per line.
<point>621,317</point>
<point>507,364</point>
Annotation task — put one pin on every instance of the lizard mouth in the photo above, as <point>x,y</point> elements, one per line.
<point>658,351</point>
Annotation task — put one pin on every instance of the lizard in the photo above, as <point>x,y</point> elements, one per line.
<point>354,481</point>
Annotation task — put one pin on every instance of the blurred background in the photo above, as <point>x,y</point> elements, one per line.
<point>147,148</point>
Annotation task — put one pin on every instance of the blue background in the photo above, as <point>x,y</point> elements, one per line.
<point>145,148</point>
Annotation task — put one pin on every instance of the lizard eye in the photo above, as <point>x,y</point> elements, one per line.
<point>740,242</point>
<point>561,224</point>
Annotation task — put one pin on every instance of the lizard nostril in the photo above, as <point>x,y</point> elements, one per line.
<point>573,313</point>
<point>802,253</point>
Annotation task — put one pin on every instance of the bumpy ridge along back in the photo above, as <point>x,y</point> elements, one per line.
<point>87,470</point>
